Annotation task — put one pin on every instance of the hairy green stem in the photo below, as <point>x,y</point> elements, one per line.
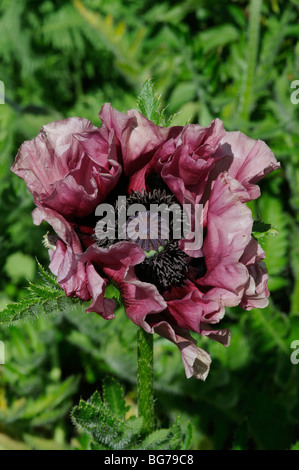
<point>145,379</point>
<point>255,9</point>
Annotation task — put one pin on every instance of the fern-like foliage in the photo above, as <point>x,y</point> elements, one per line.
<point>104,420</point>
<point>40,299</point>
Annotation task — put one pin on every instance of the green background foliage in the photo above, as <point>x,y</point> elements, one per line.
<point>232,60</point>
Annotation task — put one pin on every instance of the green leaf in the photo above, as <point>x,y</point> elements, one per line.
<point>111,292</point>
<point>97,420</point>
<point>274,243</point>
<point>40,299</point>
<point>219,36</point>
<point>103,418</point>
<point>113,396</point>
<point>176,435</point>
<point>186,445</point>
<point>132,432</point>
<point>271,327</point>
<point>153,440</point>
<point>260,229</point>
<point>150,105</point>
<point>48,278</point>
<point>184,92</point>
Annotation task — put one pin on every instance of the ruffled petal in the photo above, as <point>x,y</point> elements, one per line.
<point>71,273</point>
<point>50,156</point>
<point>196,361</point>
<point>117,263</point>
<point>138,138</point>
<point>256,292</point>
<point>229,225</point>
<point>247,160</point>
<point>60,174</point>
<point>97,285</point>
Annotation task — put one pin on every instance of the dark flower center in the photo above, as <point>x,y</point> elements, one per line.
<point>165,269</point>
<point>165,264</point>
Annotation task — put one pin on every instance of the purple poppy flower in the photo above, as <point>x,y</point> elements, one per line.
<point>175,287</point>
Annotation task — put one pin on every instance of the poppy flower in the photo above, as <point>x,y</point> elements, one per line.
<point>169,285</point>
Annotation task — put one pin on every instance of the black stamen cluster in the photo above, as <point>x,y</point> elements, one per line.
<point>165,269</point>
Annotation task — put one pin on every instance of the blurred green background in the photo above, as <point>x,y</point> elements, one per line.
<point>66,58</point>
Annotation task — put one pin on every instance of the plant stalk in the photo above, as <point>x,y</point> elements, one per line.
<point>145,379</point>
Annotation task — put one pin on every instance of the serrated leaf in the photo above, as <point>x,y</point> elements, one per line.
<point>38,302</point>
<point>48,278</point>
<point>176,435</point>
<point>95,418</point>
<point>104,420</point>
<point>150,105</point>
<point>113,396</point>
<point>40,299</point>
<point>153,440</point>
<point>96,401</point>
<point>132,432</point>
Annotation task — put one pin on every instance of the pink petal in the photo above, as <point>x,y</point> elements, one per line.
<point>246,160</point>
<point>138,137</point>
<point>60,174</point>
<point>229,225</point>
<point>196,361</point>
<point>97,285</point>
<point>71,274</point>
<point>50,156</point>
<point>191,310</point>
<point>140,299</point>
<point>117,256</point>
<point>79,193</point>
<point>256,293</point>
<point>190,159</point>
<point>117,263</point>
